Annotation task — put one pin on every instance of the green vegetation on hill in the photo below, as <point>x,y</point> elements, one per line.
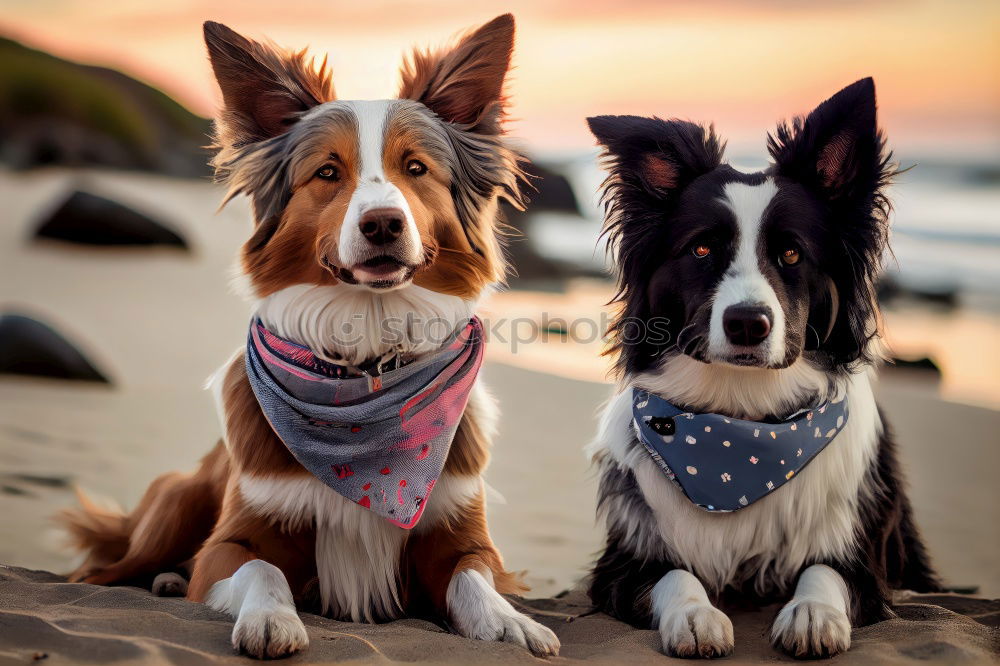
<point>53,111</point>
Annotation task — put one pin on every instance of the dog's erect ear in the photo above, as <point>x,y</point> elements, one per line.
<point>660,157</point>
<point>264,89</point>
<point>649,162</point>
<point>464,84</point>
<point>837,150</point>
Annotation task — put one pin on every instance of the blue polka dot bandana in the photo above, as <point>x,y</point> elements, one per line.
<point>724,464</point>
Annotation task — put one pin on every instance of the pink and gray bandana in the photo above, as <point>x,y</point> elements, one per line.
<point>724,464</point>
<point>380,440</point>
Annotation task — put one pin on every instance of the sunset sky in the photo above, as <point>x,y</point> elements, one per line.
<point>741,64</point>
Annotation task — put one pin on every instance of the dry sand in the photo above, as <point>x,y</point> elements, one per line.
<point>75,623</point>
<point>130,310</point>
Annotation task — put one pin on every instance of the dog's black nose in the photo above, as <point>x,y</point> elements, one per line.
<point>382,225</point>
<point>746,325</point>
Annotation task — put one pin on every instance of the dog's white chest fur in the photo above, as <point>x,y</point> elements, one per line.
<point>358,324</point>
<point>811,518</point>
<point>357,551</point>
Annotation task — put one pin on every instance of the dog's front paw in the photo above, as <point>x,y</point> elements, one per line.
<point>696,630</point>
<point>509,626</point>
<point>269,634</point>
<point>480,612</point>
<point>808,629</point>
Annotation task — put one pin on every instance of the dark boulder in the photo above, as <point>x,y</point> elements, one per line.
<point>88,219</point>
<point>924,364</point>
<point>549,189</point>
<point>546,190</point>
<point>29,347</point>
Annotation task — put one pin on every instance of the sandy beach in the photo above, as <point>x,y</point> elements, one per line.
<point>83,624</point>
<point>127,311</point>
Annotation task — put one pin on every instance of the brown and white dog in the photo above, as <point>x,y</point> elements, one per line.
<point>364,211</point>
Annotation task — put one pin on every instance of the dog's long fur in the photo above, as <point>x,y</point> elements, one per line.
<point>802,244</point>
<point>255,530</point>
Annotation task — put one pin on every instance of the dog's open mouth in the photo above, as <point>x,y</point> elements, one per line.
<point>381,272</point>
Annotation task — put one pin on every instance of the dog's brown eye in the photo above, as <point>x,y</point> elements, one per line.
<point>790,257</point>
<point>416,168</point>
<point>328,172</point>
<point>701,251</point>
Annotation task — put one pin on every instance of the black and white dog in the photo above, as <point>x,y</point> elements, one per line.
<point>765,284</point>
